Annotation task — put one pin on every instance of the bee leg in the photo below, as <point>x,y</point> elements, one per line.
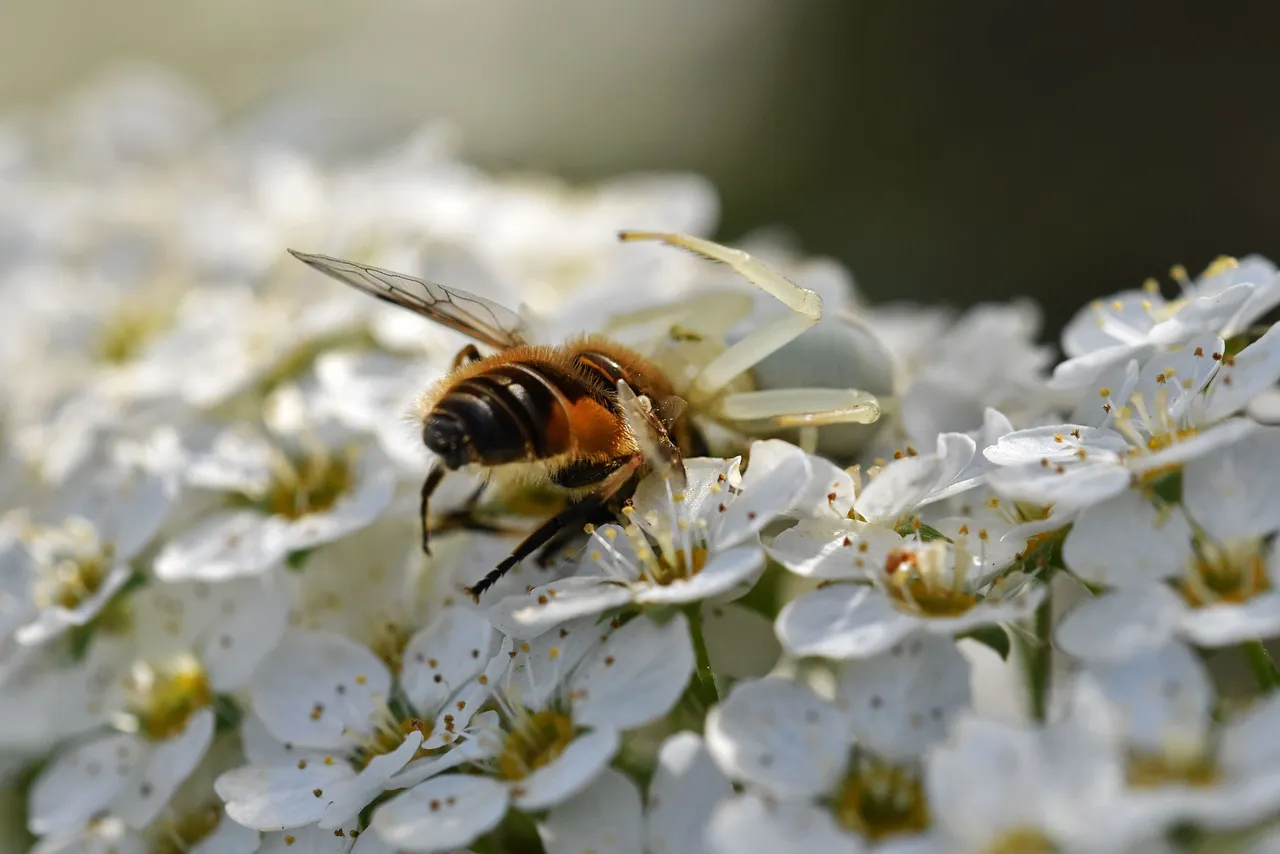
<point>433,478</point>
<point>547,554</point>
<point>615,477</point>
<point>467,354</point>
<point>571,516</point>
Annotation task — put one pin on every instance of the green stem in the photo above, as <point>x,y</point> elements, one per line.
<point>1264,669</point>
<point>1039,655</point>
<point>704,679</point>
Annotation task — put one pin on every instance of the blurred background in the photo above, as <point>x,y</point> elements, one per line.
<point>943,151</point>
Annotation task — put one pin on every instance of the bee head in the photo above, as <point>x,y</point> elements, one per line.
<point>446,435</point>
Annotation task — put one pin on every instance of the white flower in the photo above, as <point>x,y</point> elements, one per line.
<point>686,787</point>
<point>1157,709</point>
<point>1175,409</point>
<point>77,565</point>
<point>1212,551</point>
<point>606,818</point>
<point>677,547</point>
<point>857,763</point>
<point>333,700</point>
<point>301,494</point>
<point>999,787</point>
<point>184,646</point>
<point>947,585</point>
<point>563,700</point>
<point>1226,298</point>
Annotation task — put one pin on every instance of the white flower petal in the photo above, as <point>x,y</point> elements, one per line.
<point>904,484</point>
<point>1253,369</point>
<point>1234,492</point>
<point>1220,435</point>
<point>53,621</point>
<point>528,615</point>
<point>227,838</point>
<point>725,570</point>
<point>1117,625</point>
<point>250,622</point>
<point>309,839</point>
<point>1097,406</point>
<point>345,799</point>
<point>81,781</point>
<point>1127,541</point>
<point>777,476</point>
<point>1069,484</point>
<point>1251,741</point>
<point>1208,312</point>
<point>162,770</point>
<point>740,642</point>
<point>539,666</point>
<point>683,794</point>
<point>841,621</point>
<point>443,813</point>
<point>1222,625</point>
<point>279,797</point>
<point>780,736</point>
<point>604,819</point>
<point>901,703</point>
<point>634,677</point>
<point>451,649</point>
<point>819,548</point>
<point>1151,699</point>
<point>316,687</point>
<point>126,504</point>
<point>747,824</point>
<point>227,545</point>
<point>262,748</point>
<point>1057,444</point>
<point>569,773</point>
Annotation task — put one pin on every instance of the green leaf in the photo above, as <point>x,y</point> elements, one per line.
<point>227,713</point>
<point>926,532</point>
<point>994,637</point>
<point>296,561</point>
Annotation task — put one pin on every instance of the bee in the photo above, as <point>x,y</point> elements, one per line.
<point>591,416</point>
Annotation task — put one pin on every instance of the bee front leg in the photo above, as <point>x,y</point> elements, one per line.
<point>429,485</point>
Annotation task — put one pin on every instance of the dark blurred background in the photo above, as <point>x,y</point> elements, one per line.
<point>942,150</point>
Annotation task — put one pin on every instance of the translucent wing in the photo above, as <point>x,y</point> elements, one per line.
<point>658,449</point>
<point>481,319</point>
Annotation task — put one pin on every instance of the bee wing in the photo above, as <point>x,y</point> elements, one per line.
<point>472,315</point>
<point>658,449</point>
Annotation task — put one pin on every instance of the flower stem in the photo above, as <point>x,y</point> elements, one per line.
<point>1039,655</point>
<point>704,679</point>
<point>1264,669</point>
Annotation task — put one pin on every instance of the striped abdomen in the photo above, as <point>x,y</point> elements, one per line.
<point>534,403</point>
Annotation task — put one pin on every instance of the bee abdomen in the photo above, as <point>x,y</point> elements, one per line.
<point>511,412</point>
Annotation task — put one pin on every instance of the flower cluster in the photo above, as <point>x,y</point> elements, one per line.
<point>917,551</point>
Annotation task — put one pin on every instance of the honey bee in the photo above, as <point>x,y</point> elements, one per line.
<point>589,417</point>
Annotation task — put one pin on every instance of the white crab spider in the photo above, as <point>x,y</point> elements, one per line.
<point>711,388</point>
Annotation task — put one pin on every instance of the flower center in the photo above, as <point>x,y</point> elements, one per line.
<point>385,739</point>
<point>308,483</point>
<point>164,699</point>
<point>1021,840</point>
<point>180,834</point>
<point>929,581</point>
<point>73,578</point>
<point>130,329</point>
<point>1232,573</point>
<point>1188,766</point>
<point>534,743</point>
<point>879,800</point>
<point>388,643</point>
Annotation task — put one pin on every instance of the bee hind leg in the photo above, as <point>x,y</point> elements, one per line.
<point>603,514</point>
